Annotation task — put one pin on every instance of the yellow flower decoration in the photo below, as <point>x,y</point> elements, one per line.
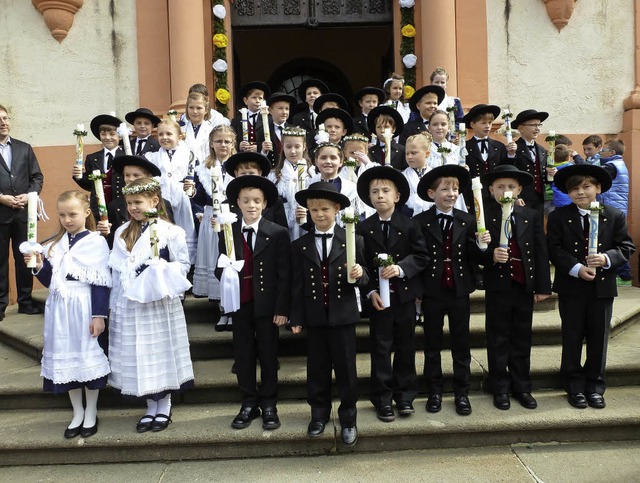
<point>220,40</point>
<point>223,95</point>
<point>409,92</point>
<point>408,31</point>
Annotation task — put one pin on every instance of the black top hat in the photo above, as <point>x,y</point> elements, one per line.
<point>527,115</point>
<point>142,112</point>
<point>281,96</point>
<point>379,93</point>
<point>389,111</point>
<point>249,86</point>
<point>344,116</point>
<point>420,93</point>
<point>480,109</point>
<point>232,163</point>
<point>321,190</point>
<point>119,162</point>
<point>383,172</point>
<point>330,97</point>
<point>103,120</point>
<point>601,174</point>
<point>252,181</point>
<point>507,171</point>
<point>444,171</point>
<point>302,88</point>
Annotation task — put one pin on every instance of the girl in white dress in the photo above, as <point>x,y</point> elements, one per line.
<point>197,128</point>
<point>416,153</point>
<point>75,268</point>
<point>394,90</point>
<point>148,341</point>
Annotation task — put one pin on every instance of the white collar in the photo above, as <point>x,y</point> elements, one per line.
<point>330,231</point>
<point>253,225</point>
<point>583,212</point>
<point>438,212</point>
<point>106,151</point>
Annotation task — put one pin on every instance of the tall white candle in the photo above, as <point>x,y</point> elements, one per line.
<point>32,223</point>
<point>123,131</point>
<point>216,198</point>
<point>350,228</point>
<point>80,133</point>
<point>301,171</point>
<point>505,231</point>
<point>264,111</point>
<point>228,234</point>
<point>385,290</point>
<point>153,235</point>
<point>594,222</point>
<point>507,126</point>
<point>476,187</point>
<point>102,204</point>
<point>244,113</point>
<point>387,142</point>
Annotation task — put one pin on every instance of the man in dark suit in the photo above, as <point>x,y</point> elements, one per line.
<point>19,175</point>
<point>143,121</point>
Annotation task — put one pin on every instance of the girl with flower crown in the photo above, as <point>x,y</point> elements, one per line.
<point>148,341</point>
<point>394,90</point>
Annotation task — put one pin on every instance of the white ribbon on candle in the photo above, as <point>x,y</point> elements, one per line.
<point>264,111</point>
<point>216,179</point>
<point>230,283</point>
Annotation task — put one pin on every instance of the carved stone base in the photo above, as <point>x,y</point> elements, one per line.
<point>633,101</point>
<point>58,15</point>
<point>560,11</point>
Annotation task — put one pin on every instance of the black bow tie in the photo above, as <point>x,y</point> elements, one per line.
<point>323,235</point>
<point>445,221</point>
<point>532,147</point>
<point>441,216</point>
<point>247,229</point>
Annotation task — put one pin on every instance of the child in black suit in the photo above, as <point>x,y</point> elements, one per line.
<point>392,326</point>
<point>325,304</point>
<point>252,95</point>
<point>447,281</point>
<point>586,284</point>
<point>143,122</point>
<point>423,103</point>
<point>367,98</point>
<point>380,119</point>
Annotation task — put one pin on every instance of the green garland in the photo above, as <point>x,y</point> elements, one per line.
<point>220,78</point>
<point>408,45</point>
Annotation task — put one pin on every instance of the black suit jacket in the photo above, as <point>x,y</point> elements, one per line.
<point>477,167</point>
<point>524,162</point>
<point>565,242</point>
<point>398,160</point>
<point>273,156</point>
<point>533,246</point>
<point>95,161</point>
<point>151,146</point>
<point>411,128</point>
<point>360,125</point>
<point>307,301</point>
<point>303,120</point>
<point>236,124</point>
<point>271,267</point>
<point>406,246</point>
<point>464,250</point>
<point>25,176</point>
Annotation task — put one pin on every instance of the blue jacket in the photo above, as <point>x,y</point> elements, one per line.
<point>618,195</point>
<point>560,198</point>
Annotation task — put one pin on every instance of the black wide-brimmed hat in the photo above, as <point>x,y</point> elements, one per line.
<point>252,181</point>
<point>389,111</point>
<point>603,177</point>
<point>321,190</point>
<point>103,120</point>
<point>281,96</point>
<point>480,109</point>
<point>507,171</point>
<point>383,172</point>
<point>341,114</point>
<point>232,163</point>
<point>302,88</point>
<point>444,171</point>
<point>142,112</point>
<point>249,86</point>
<point>420,93</point>
<point>330,97</point>
<point>379,93</point>
<point>527,115</point>
<point>119,162</point>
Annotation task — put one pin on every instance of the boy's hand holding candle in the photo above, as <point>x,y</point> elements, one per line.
<point>507,200</point>
<point>476,188</point>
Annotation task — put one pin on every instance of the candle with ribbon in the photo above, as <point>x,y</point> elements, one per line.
<point>507,125</point>
<point>462,142</point>
<point>351,164</point>
<point>476,187</point>
<point>32,224</point>
<point>264,112</point>
<point>384,260</point>
<point>451,115</point>
<point>244,115</point>
<point>124,132</point>
<point>551,153</point>
<point>97,176</point>
<point>152,215</point>
<point>230,279</point>
<point>216,195</point>
<point>594,221</point>
<point>350,219</point>
<point>507,201</point>
<point>443,151</point>
<point>388,136</point>
<point>173,115</point>
<point>191,191</point>
<point>301,171</point>
<point>79,132</point>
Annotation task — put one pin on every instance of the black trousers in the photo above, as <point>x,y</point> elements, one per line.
<point>393,330</point>
<point>508,321</point>
<point>16,233</point>
<point>255,339</point>
<point>332,348</point>
<point>584,318</point>
<point>457,310</point>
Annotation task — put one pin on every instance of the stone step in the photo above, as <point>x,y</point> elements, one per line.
<point>203,432</point>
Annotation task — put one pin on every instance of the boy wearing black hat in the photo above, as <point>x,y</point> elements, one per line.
<point>308,91</point>
<point>252,94</point>
<point>337,122</point>
<point>279,107</point>
<point>392,328</point>
<point>380,119</point>
<point>425,101</point>
<point>143,122</point>
<point>447,282</point>
<point>367,98</point>
<point>265,292</point>
<point>586,284</point>
<point>515,277</point>
<point>324,303</point>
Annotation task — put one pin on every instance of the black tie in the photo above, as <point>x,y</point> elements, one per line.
<point>249,231</point>
<point>140,146</point>
<point>384,225</point>
<point>109,159</point>
<point>483,147</point>
<point>280,131</point>
<point>196,129</point>
<point>532,148</point>
<point>445,222</point>
<point>437,144</point>
<point>420,171</point>
<point>325,237</point>
<point>313,120</point>
<point>254,119</point>
<point>170,153</point>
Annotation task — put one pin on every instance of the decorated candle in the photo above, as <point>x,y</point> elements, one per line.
<point>124,132</point>
<point>189,177</point>
<point>216,179</point>
<point>507,126</point>
<point>264,111</point>
<point>350,228</point>
<point>173,115</point>
<point>476,187</point>
<point>551,153</point>
<point>79,133</point>
<point>97,176</point>
<point>387,142</point>
<point>32,223</point>
<point>228,233</point>
<point>594,222</point>
<point>506,201</point>
<point>244,113</point>
<point>301,169</point>
<point>152,216</point>
<point>385,291</point>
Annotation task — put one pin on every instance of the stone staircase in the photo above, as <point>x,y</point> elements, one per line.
<point>32,422</point>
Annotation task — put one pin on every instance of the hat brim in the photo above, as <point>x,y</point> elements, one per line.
<point>444,171</point>
<point>119,163</point>
<point>280,97</point>
<point>603,177</point>
<point>249,86</point>
<point>479,110</point>
<point>329,97</point>
<point>522,177</point>
<point>527,116</point>
<point>232,163</point>
<point>389,111</point>
<point>302,88</point>
<point>103,120</point>
<point>379,93</point>
<point>321,194</point>
<point>420,93</point>
<point>252,181</point>
<point>132,116</point>
<point>383,172</point>
<point>344,116</point>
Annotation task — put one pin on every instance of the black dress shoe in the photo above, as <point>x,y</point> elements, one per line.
<point>386,414</point>
<point>244,417</point>
<point>405,408</point>
<point>144,424</point>
<point>577,400</point>
<point>501,401</point>
<point>526,400</point>
<point>316,428</point>
<point>463,406</point>
<point>71,433</point>
<point>270,419</point>
<point>596,400</point>
<point>30,310</point>
<point>434,403</point>
<point>349,436</point>
<point>160,422</point>
<point>86,432</point>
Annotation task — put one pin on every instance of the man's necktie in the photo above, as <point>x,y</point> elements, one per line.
<point>140,146</point>
<point>325,237</point>
<point>249,231</point>
<point>445,222</point>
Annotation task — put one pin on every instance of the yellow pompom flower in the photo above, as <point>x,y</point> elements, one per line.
<point>409,92</point>
<point>223,95</point>
<point>220,40</point>
<point>408,31</point>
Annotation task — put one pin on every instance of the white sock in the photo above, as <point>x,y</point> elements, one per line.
<point>75,395</point>
<point>164,406</point>
<point>152,410</point>
<point>91,411</point>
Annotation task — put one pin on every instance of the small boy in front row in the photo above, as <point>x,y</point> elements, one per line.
<point>515,277</point>
<point>324,302</point>
<point>586,284</point>
<point>447,281</point>
<point>265,292</point>
<point>392,328</point>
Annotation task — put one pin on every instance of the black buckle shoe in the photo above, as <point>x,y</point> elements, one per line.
<point>144,424</point>
<point>244,417</point>
<point>160,424</point>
